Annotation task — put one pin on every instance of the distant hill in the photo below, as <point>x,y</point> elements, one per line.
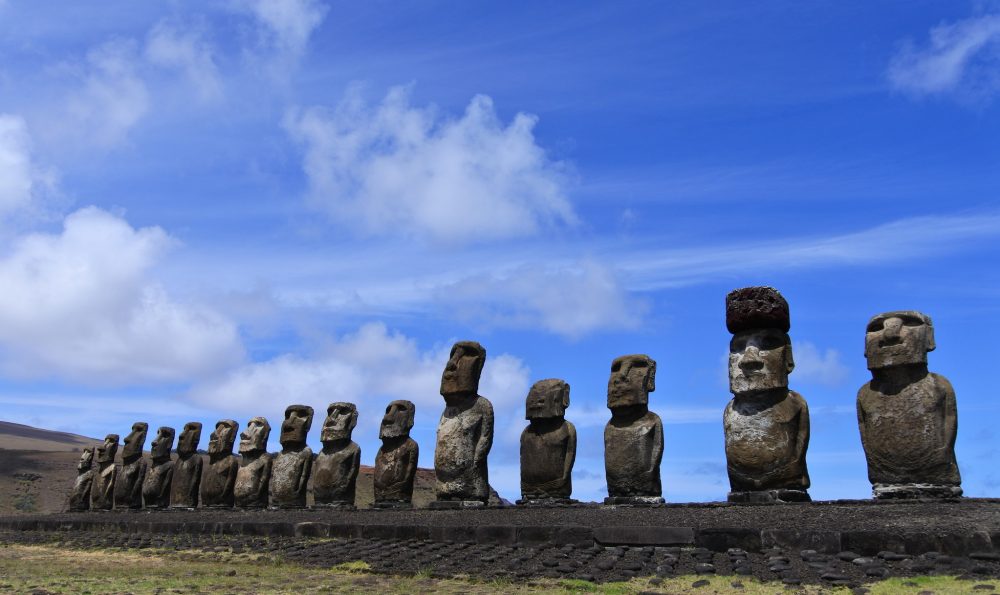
<point>37,469</point>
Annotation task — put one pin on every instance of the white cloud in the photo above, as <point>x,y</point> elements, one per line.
<point>393,168</point>
<point>112,99</point>
<point>79,305</point>
<point>964,55</point>
<point>370,368</point>
<point>187,51</point>
<point>571,301</point>
<point>22,182</point>
<point>285,26</point>
<point>815,366</point>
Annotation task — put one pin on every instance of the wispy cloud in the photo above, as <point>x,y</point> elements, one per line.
<point>816,366</point>
<point>961,56</point>
<point>184,48</point>
<point>398,169</point>
<point>22,181</point>
<point>283,29</point>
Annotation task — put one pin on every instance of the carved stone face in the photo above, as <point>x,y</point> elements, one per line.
<point>86,460</point>
<point>397,421</point>
<point>190,437</point>
<point>106,452</point>
<point>898,338</point>
<point>254,438</point>
<point>298,420</point>
<point>222,439</point>
<point>461,373</point>
<point>161,445</point>
<point>135,440</point>
<point>633,377</point>
<point>759,360</point>
<point>547,399</point>
<point>340,421</point>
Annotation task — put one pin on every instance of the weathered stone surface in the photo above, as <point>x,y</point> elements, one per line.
<point>156,487</point>
<point>465,431</point>
<point>766,425</point>
<point>254,475</point>
<point>907,415</point>
<point>396,461</point>
<point>128,484</point>
<point>220,475</point>
<point>293,465</point>
<point>548,444</point>
<point>633,439</point>
<point>184,486</point>
<point>79,497</point>
<point>102,490</point>
<point>335,471</point>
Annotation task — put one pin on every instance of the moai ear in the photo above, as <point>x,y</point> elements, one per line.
<point>930,334</point>
<point>789,360</point>
<point>565,396</point>
<point>354,419</point>
<point>651,377</point>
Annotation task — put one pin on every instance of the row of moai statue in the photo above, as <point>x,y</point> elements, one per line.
<point>907,417</point>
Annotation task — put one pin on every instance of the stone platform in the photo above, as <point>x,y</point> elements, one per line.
<point>864,527</point>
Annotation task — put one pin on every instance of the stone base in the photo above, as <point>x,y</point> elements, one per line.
<point>392,504</point>
<point>334,506</point>
<point>634,501</point>
<point>288,507</point>
<point>181,508</point>
<point>456,504</point>
<point>769,496</point>
<point>915,491</point>
<point>218,507</point>
<point>547,502</point>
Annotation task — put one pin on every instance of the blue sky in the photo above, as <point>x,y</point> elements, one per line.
<point>213,210</point>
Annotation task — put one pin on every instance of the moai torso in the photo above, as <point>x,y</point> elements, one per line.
<point>465,431</point>
<point>128,485</point>
<point>186,482</point>
<point>292,467</point>
<point>764,447</point>
<point>548,444</point>
<point>633,450</point>
<point>907,416</point>
<point>253,478</point>
<point>102,490</point>
<point>335,471</point>
<point>79,497</point>
<point>220,473</point>
<point>395,470</point>
<point>156,486</point>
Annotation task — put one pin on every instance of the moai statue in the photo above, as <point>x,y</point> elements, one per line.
<point>465,432</point>
<point>128,485</point>
<point>102,491</point>
<point>293,465</point>
<point>396,461</point>
<point>79,498</point>
<point>187,468</point>
<point>220,475</point>
<point>156,488</point>
<point>907,415</point>
<point>335,472</point>
<point>766,425</point>
<point>633,439</point>
<point>548,446</point>
<point>254,476</point>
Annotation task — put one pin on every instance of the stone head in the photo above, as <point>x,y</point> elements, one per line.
<point>547,399</point>
<point>187,444</point>
<point>108,449</point>
<point>633,377</point>
<point>898,338</point>
<point>254,438</point>
<point>341,418</point>
<point>86,460</point>
<point>460,379</point>
<point>223,437</point>
<point>398,420</point>
<point>135,440</point>
<point>298,420</point>
<point>760,352</point>
<point>161,445</point>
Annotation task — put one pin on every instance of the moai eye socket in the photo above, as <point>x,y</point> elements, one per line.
<point>616,366</point>
<point>876,325</point>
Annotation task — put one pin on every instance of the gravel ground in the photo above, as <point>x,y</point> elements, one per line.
<point>598,564</point>
<point>966,515</point>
